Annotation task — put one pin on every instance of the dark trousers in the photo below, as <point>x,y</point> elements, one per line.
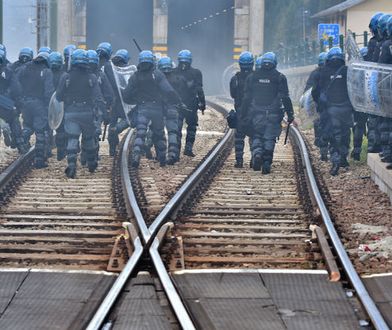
<point>35,121</point>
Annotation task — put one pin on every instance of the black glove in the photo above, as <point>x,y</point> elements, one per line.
<point>202,107</point>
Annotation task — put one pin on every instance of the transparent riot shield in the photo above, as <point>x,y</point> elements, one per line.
<point>55,112</point>
<point>370,88</point>
<point>227,75</point>
<point>352,48</point>
<point>307,104</point>
<point>122,74</point>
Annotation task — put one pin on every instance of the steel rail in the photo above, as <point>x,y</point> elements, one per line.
<point>149,235</point>
<point>368,303</point>
<point>10,172</point>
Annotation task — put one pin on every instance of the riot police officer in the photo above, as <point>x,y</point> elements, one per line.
<point>26,54</point>
<point>265,91</point>
<point>386,58</point>
<point>36,84</point>
<point>104,51</point>
<point>117,119</point>
<point>8,95</point>
<point>67,52</point>
<point>45,49</point>
<point>179,84</point>
<point>58,69</point>
<point>332,95</point>
<point>320,139</point>
<point>149,89</point>
<point>385,124</point>
<point>102,114</point>
<point>194,99</point>
<point>237,85</point>
<point>79,90</point>
<point>373,121</point>
<point>360,120</point>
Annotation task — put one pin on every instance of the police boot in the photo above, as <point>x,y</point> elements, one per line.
<point>7,138</point>
<point>266,168</point>
<point>70,172</point>
<point>135,160</point>
<point>92,166</point>
<point>373,149</point>
<point>60,154</point>
<point>162,162</point>
<point>188,151</point>
<point>148,153</point>
<point>334,169</point>
<point>386,159</point>
<point>83,158</point>
<point>239,163</point>
<point>344,163</point>
<point>389,167</point>
<point>112,150</point>
<point>40,164</point>
<point>356,155</point>
<point>256,163</point>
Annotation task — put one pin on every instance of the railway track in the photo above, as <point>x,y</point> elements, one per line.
<point>227,218</point>
<point>213,216</point>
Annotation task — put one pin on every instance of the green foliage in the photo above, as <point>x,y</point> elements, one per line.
<point>284,20</point>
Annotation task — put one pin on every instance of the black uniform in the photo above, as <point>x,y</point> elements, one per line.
<point>179,84</point>
<point>319,140</point>
<point>237,86</point>
<point>374,122</point>
<point>149,90</point>
<point>332,95</point>
<point>386,123</point>
<point>9,90</point>
<point>194,99</point>
<point>265,91</point>
<point>36,83</point>
<point>80,92</point>
<point>117,120</point>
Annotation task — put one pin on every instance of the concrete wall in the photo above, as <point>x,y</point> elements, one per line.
<point>359,16</point>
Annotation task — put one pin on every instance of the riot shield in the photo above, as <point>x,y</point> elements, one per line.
<point>352,48</point>
<point>227,75</point>
<point>307,104</point>
<point>122,74</point>
<point>370,88</point>
<point>55,112</point>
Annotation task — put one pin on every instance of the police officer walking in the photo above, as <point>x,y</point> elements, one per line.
<point>386,58</point>
<point>373,55</point>
<point>117,119</point>
<point>360,120</point>
<point>319,140</point>
<point>332,95</point>
<point>237,85</point>
<point>36,83</point>
<point>179,84</point>
<point>8,112</point>
<point>265,91</point>
<point>80,92</point>
<point>149,89</point>
<point>194,99</point>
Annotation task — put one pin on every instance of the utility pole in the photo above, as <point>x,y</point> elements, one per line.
<point>42,23</point>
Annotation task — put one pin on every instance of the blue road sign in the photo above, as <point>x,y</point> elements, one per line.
<point>325,31</point>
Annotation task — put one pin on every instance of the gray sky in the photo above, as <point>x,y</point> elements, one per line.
<point>18,26</point>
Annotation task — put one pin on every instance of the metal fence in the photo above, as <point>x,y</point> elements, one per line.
<point>306,53</point>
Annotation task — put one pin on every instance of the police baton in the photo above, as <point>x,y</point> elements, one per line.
<point>137,45</point>
<point>104,132</point>
<point>287,133</point>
